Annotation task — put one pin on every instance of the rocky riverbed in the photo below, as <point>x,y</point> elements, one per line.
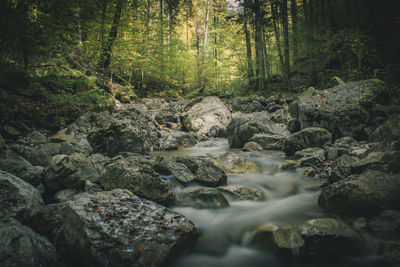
<point>156,183</point>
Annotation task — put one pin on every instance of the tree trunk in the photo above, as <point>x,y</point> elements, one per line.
<point>285,23</point>
<point>259,26</point>
<point>77,37</point>
<point>203,50</point>
<point>293,13</point>
<point>106,54</point>
<point>162,37</point>
<point>277,35</point>
<point>250,70</point>
<point>198,53</point>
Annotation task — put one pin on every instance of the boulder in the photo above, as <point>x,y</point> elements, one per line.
<point>232,163</point>
<point>369,193</point>
<point>201,198</point>
<point>21,246</point>
<point>173,140</point>
<point>15,164</point>
<point>243,192</point>
<point>18,199</point>
<point>10,133</point>
<point>293,126</point>
<point>281,115</point>
<point>341,168</point>
<point>392,253</point>
<point>246,105</point>
<point>306,138</point>
<point>179,170</point>
<point>50,220</point>
<point>340,109</point>
<point>137,175</point>
<point>244,126</point>
<point>210,117</point>
<point>313,157</point>
<point>65,195</point>
<point>386,161</point>
<point>117,228</point>
<point>388,131</point>
<point>268,141</point>
<point>72,171</point>
<point>321,237</point>
<point>252,147</point>
<point>388,221</point>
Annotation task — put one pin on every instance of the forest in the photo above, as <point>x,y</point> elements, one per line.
<point>180,133</point>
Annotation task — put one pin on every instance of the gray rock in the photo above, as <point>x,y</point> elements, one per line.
<point>293,126</point>
<point>252,147</point>
<point>137,175</point>
<point>3,145</point>
<point>21,246</point>
<point>119,229</point>
<point>65,195</point>
<point>10,133</point>
<point>201,198</point>
<point>322,237</point>
<point>386,161</point>
<point>92,187</point>
<point>232,163</point>
<point>246,105</point>
<point>345,142</point>
<point>243,192</point>
<point>268,141</point>
<point>310,157</point>
<point>210,117</point>
<point>72,171</point>
<point>15,164</point>
<point>392,252</point>
<point>18,199</point>
<point>50,220</point>
<point>388,131</point>
<point>281,115</point>
<point>388,221</point>
<point>340,109</point>
<point>244,126</point>
<point>306,138</point>
<point>367,194</point>
<point>341,168</point>
<point>172,140</point>
<point>179,170</point>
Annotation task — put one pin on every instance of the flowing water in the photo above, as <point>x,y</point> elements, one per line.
<point>226,233</point>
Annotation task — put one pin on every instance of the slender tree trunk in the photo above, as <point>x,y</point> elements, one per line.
<point>332,19</point>
<point>250,70</point>
<point>312,43</point>
<point>198,53</point>
<point>285,23</point>
<point>103,18</point>
<point>293,13</point>
<point>277,35</point>
<point>216,50</point>
<point>106,54</point>
<point>266,61</point>
<point>5,29</point>
<point>162,37</point>
<point>77,38</point>
<point>203,50</point>
<point>259,26</point>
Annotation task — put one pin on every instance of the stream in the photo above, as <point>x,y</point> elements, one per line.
<point>226,233</point>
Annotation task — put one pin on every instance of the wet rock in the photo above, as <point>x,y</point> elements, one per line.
<point>388,221</point>
<point>232,163</point>
<point>119,229</point>
<point>206,172</point>
<point>246,105</point>
<point>341,168</point>
<point>293,126</point>
<point>268,141</point>
<point>252,147</point>
<point>18,199</point>
<point>243,192</point>
<point>309,171</point>
<point>209,117</point>
<point>72,171</point>
<point>392,252</point>
<point>388,131</point>
<point>313,157</point>
<point>173,140</point>
<point>21,246</point>
<point>201,198</point>
<point>289,165</point>
<point>322,237</point>
<point>339,109</point>
<point>15,164</point>
<point>383,161</point>
<point>65,195</point>
<point>179,170</point>
<point>306,138</point>
<point>137,175</point>
<point>369,193</point>
<point>243,126</point>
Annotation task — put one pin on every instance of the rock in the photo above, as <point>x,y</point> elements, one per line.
<point>172,140</point>
<point>62,137</point>
<point>72,171</point>
<point>367,194</point>
<point>392,252</point>
<point>309,171</point>
<point>246,105</point>
<point>119,229</point>
<point>252,147</point>
<point>201,198</point>
<point>3,145</point>
<point>345,142</point>
<point>206,172</point>
<point>388,221</point>
<point>243,192</point>
<point>21,246</point>
<point>232,163</point>
<point>179,170</point>
<point>340,110</point>
<point>50,220</point>
<point>383,161</point>
<point>341,168</point>
<point>243,126</point>
<point>18,199</point>
<point>313,157</point>
<point>281,115</point>
<point>272,107</point>
<point>10,133</point>
<point>322,237</point>
<point>92,188</point>
<point>293,126</point>
<point>15,164</point>
<point>209,117</point>
<point>388,131</point>
<point>306,138</point>
<point>289,165</point>
<point>268,141</point>
<point>137,175</point>
<point>65,195</point>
